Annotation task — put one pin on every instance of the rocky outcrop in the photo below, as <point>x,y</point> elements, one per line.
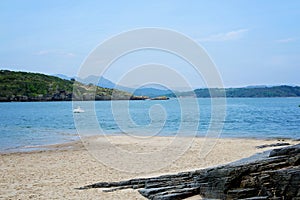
<point>160,98</point>
<point>273,145</point>
<point>139,97</point>
<point>148,98</point>
<point>276,176</point>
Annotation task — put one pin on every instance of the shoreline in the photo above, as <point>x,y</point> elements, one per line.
<point>153,99</point>
<point>75,142</point>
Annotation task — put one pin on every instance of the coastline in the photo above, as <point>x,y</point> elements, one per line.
<point>55,172</point>
<point>75,143</point>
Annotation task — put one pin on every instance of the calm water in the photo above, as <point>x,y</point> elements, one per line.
<point>31,124</point>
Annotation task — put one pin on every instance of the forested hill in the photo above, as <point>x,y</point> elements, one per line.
<point>25,86</point>
<point>251,92</point>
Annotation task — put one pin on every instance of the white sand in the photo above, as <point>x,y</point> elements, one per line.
<point>53,174</point>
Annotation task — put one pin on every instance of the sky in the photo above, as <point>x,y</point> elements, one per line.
<point>251,42</point>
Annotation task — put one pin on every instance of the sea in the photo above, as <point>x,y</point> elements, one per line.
<point>27,126</point>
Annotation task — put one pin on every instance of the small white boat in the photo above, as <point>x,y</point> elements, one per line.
<point>78,110</point>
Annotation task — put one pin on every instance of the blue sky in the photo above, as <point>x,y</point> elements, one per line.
<point>251,42</point>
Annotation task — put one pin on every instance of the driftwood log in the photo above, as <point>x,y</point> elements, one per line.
<point>273,175</point>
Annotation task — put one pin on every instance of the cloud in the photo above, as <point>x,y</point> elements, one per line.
<point>55,53</point>
<point>231,35</point>
<point>286,40</point>
<point>41,53</point>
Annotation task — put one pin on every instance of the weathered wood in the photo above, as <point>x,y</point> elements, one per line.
<point>274,177</point>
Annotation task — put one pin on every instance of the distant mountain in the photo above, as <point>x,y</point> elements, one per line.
<point>62,76</point>
<point>156,91</point>
<point>101,82</point>
<point>152,92</point>
<point>144,91</point>
<point>25,86</point>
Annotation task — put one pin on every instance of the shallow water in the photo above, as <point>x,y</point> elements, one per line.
<point>29,124</point>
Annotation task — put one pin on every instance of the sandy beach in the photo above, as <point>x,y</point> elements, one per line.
<point>54,173</point>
